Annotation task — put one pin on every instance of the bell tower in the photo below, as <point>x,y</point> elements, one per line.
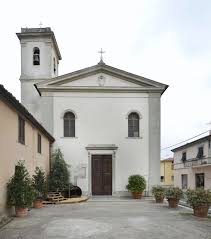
<point>40,57</point>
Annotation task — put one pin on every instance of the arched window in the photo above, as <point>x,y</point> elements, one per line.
<point>133,125</point>
<point>36,56</point>
<point>69,124</point>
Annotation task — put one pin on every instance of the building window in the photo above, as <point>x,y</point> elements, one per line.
<point>172,178</point>
<point>36,56</point>
<point>69,124</point>
<point>184,181</point>
<point>199,180</point>
<point>133,125</point>
<point>184,157</point>
<point>39,143</point>
<point>21,130</point>
<point>162,178</point>
<point>54,65</point>
<point>200,153</point>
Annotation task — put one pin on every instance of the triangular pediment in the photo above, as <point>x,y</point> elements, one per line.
<point>100,77</point>
<point>99,80</point>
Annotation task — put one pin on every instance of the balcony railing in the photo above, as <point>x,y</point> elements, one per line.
<point>194,162</point>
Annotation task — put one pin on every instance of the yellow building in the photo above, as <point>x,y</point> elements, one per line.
<point>166,171</point>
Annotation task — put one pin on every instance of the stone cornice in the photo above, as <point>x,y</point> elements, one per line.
<point>101,147</point>
<point>50,34</point>
<point>100,89</point>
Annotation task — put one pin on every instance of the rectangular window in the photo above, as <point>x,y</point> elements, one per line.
<point>21,130</point>
<point>172,178</point>
<point>200,153</point>
<point>184,181</point>
<point>162,178</point>
<point>39,143</point>
<point>199,180</point>
<point>184,156</point>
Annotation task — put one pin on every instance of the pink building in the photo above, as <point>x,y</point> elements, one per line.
<point>22,137</point>
<point>192,164</point>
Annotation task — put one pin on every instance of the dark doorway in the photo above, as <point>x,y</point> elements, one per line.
<point>101,174</point>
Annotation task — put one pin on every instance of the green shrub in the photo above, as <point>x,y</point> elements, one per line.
<point>173,192</point>
<point>198,197</point>
<point>136,183</point>
<point>158,191</point>
<point>39,183</point>
<point>20,191</point>
<point>59,177</point>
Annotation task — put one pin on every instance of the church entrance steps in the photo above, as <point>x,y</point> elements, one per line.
<point>69,200</point>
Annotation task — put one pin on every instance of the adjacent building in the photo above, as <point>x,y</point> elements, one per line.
<point>105,120</point>
<point>192,164</point>
<point>22,137</point>
<point>167,172</point>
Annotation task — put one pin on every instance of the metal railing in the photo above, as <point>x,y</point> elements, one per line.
<point>193,162</point>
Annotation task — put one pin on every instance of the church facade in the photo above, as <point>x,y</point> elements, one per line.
<point>105,120</point>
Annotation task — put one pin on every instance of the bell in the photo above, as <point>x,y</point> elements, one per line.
<point>36,59</point>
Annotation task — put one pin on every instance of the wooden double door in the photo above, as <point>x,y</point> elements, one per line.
<point>101,174</point>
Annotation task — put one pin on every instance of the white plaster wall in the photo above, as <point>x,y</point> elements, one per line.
<point>154,139</point>
<point>30,71</point>
<point>102,119</point>
<point>191,176</point>
<point>32,74</point>
<point>94,81</point>
<point>30,98</point>
<point>191,153</point>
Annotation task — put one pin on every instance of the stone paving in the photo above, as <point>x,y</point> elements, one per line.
<point>111,219</point>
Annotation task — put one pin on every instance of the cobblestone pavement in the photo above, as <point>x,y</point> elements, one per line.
<point>129,219</point>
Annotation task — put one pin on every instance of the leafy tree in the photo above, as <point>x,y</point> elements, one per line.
<point>59,177</point>
<point>39,183</point>
<point>20,192</point>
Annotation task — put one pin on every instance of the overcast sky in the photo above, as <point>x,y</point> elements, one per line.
<point>164,40</point>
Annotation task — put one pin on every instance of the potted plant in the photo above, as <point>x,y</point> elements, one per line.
<point>173,195</point>
<point>39,184</point>
<point>199,200</point>
<point>136,185</point>
<point>158,193</point>
<point>20,192</point>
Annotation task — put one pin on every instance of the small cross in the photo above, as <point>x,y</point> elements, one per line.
<point>40,24</point>
<point>101,54</point>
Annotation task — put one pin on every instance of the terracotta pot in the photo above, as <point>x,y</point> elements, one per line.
<point>38,203</point>
<point>201,211</point>
<point>21,211</point>
<point>137,195</point>
<point>159,200</point>
<point>173,202</point>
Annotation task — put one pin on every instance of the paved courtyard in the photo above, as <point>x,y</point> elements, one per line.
<point>108,219</point>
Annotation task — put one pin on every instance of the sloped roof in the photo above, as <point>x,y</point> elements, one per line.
<point>9,99</point>
<point>184,146</point>
<point>144,83</point>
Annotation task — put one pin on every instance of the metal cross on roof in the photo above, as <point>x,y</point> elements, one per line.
<point>101,52</point>
<point>40,24</point>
